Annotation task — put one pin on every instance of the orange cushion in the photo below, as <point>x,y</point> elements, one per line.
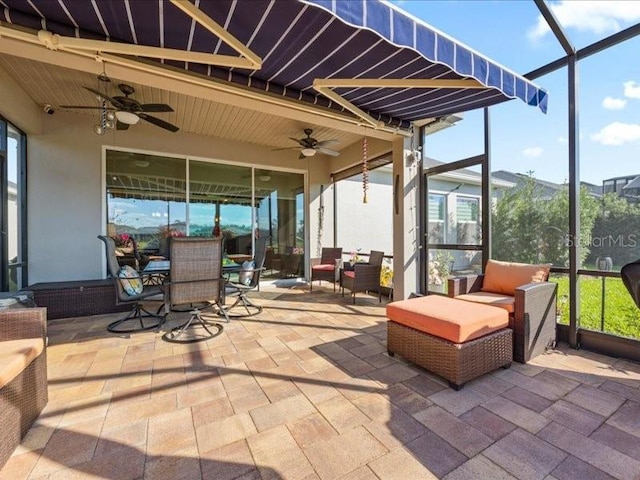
<point>350,273</point>
<point>496,299</point>
<point>454,320</point>
<point>325,267</point>
<point>16,355</point>
<point>505,277</point>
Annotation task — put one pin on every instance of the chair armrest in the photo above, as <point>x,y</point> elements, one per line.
<point>463,285</point>
<point>536,300</point>
<point>19,323</point>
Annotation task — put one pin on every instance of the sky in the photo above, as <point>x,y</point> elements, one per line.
<point>514,34</point>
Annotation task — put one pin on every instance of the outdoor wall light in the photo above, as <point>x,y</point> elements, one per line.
<point>308,152</point>
<point>127,117</point>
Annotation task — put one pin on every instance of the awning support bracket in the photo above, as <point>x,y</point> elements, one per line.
<point>248,59</point>
<point>325,85</point>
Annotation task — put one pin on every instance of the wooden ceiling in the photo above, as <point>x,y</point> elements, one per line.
<point>55,85</point>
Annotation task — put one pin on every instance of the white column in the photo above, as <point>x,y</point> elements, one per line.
<point>406,268</point>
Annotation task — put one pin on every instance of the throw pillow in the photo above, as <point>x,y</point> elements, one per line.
<point>505,277</point>
<point>130,280</point>
<point>246,274</point>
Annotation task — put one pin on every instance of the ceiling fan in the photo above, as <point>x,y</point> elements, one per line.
<point>129,111</point>
<point>309,146</point>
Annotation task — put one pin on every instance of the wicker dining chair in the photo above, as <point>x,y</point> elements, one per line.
<point>364,276</point>
<point>327,268</point>
<point>240,289</point>
<point>195,280</point>
<point>138,312</point>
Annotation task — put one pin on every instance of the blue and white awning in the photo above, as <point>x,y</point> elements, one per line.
<point>301,42</point>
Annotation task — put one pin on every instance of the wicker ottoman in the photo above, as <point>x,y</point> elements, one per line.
<point>457,340</point>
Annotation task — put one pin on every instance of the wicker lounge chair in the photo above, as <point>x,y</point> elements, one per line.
<point>531,303</point>
<point>364,276</point>
<point>327,268</point>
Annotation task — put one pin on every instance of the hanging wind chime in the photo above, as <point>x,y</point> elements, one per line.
<point>365,172</point>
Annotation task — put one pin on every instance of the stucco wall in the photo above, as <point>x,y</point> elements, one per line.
<point>66,186</point>
<point>368,226</point>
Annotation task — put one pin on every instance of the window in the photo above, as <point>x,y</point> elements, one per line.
<point>437,215</point>
<point>467,209</point>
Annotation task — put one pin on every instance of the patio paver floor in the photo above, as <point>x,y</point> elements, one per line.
<point>304,391</point>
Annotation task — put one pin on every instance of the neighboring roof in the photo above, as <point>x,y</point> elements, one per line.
<point>635,183</point>
<point>295,44</point>
<point>548,189</point>
<point>467,175</point>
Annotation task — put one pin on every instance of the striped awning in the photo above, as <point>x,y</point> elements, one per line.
<point>365,56</point>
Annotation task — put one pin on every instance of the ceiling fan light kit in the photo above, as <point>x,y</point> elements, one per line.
<point>308,152</point>
<point>127,117</point>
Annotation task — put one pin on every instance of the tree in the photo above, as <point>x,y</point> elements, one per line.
<point>530,227</point>
<point>616,230</point>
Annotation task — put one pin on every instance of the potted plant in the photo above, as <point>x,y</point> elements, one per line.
<point>439,270</point>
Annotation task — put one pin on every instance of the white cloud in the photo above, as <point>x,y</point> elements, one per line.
<point>532,152</point>
<point>631,89</point>
<point>611,103</point>
<point>563,140</point>
<point>617,133</point>
<point>598,17</point>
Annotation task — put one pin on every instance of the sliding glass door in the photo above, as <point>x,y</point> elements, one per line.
<point>13,259</point>
<point>152,197</point>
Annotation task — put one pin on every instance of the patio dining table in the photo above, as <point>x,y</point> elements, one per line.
<point>159,269</point>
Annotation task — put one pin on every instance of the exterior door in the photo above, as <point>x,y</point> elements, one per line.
<point>13,261</point>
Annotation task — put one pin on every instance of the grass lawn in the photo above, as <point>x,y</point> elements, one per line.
<point>622,317</point>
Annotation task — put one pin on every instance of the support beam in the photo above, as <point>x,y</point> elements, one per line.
<point>83,45</point>
<point>406,224</point>
<point>207,22</point>
<point>396,83</point>
<point>574,204</point>
<point>555,26</point>
<point>333,96</point>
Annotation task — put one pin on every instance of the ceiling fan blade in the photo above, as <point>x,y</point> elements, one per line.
<point>301,157</point>
<point>158,123</point>
<point>156,107</point>
<point>83,106</point>
<point>285,148</point>
<point>328,151</point>
<point>115,103</point>
<point>326,143</point>
<point>122,126</point>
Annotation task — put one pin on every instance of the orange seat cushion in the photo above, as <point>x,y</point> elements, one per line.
<point>350,273</point>
<point>16,355</point>
<point>505,277</point>
<point>454,320</point>
<point>495,299</point>
<point>324,267</point>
